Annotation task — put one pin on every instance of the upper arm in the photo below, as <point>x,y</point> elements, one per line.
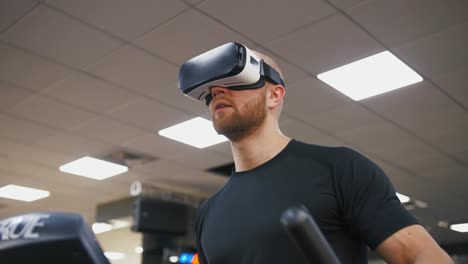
<point>197,227</point>
<point>370,207</point>
<point>410,245</point>
<point>373,212</point>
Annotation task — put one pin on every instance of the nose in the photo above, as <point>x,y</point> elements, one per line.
<point>216,90</point>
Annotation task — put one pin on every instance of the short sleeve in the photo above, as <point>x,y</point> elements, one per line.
<point>368,200</point>
<point>198,224</point>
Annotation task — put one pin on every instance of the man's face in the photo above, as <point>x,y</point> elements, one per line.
<point>236,114</point>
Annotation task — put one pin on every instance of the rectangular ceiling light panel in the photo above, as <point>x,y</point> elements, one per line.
<point>377,74</point>
<point>93,168</point>
<point>22,193</point>
<point>462,227</point>
<point>197,132</point>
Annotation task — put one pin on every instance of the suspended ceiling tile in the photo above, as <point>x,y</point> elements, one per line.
<point>168,42</point>
<point>454,83</point>
<point>379,138</point>
<point>224,148</point>
<point>174,97</point>
<point>302,132</point>
<point>174,151</point>
<point>421,108</point>
<point>194,2</point>
<point>310,97</point>
<point>273,19</point>
<point>12,10</point>
<point>126,19</point>
<point>54,35</point>
<point>157,145</point>
<point>160,169</point>
<point>35,154</point>
<point>416,18</point>
<point>27,70</point>
<point>149,114</point>
<point>397,146</point>
<point>50,112</point>
<point>455,140</point>
<point>451,178</point>
<point>439,53</point>
<point>423,164</point>
<point>326,45</point>
<point>24,130</point>
<point>342,118</point>
<point>462,155</point>
<point>347,4</point>
<point>68,142</point>
<point>306,133</point>
<point>109,130</point>
<point>91,93</point>
<point>11,96</point>
<point>136,70</point>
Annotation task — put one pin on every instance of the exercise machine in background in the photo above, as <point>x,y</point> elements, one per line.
<point>52,238</point>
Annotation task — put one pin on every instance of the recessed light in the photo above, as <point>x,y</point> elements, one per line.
<point>173,259</point>
<point>377,74</point>
<point>113,225</point>
<point>93,168</point>
<point>138,250</point>
<point>114,255</point>
<point>462,227</point>
<point>101,227</point>
<point>22,193</point>
<point>197,132</point>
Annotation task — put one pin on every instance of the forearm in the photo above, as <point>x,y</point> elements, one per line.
<point>433,256</point>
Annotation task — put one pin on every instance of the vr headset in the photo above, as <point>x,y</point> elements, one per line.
<point>231,65</point>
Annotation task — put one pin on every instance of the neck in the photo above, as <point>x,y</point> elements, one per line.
<point>258,147</point>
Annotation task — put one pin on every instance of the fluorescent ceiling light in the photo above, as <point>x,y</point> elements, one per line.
<point>403,198</point>
<point>463,228</point>
<point>173,259</point>
<point>22,193</point>
<point>371,76</point>
<point>197,132</point>
<point>138,250</point>
<point>101,228</point>
<point>93,168</point>
<point>105,227</point>
<point>114,255</point>
<point>117,224</point>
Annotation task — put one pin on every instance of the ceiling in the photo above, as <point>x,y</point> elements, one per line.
<point>90,77</point>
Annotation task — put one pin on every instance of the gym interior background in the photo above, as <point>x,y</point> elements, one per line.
<point>99,79</point>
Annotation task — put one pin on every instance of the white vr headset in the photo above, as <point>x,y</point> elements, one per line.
<point>231,65</point>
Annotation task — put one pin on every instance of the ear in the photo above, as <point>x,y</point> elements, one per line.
<point>275,95</point>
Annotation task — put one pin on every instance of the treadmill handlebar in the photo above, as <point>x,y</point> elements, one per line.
<point>304,231</point>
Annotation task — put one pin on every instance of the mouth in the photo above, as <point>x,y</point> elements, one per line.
<point>221,105</point>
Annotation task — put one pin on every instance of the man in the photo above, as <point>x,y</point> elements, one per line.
<point>350,197</point>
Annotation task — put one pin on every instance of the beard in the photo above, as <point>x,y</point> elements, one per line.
<point>241,122</point>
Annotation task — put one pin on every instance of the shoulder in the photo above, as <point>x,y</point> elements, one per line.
<point>330,154</point>
<point>205,206</point>
<point>297,146</point>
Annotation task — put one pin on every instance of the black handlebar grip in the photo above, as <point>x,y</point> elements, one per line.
<point>307,235</point>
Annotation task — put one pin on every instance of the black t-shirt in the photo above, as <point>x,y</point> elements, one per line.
<point>349,196</point>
